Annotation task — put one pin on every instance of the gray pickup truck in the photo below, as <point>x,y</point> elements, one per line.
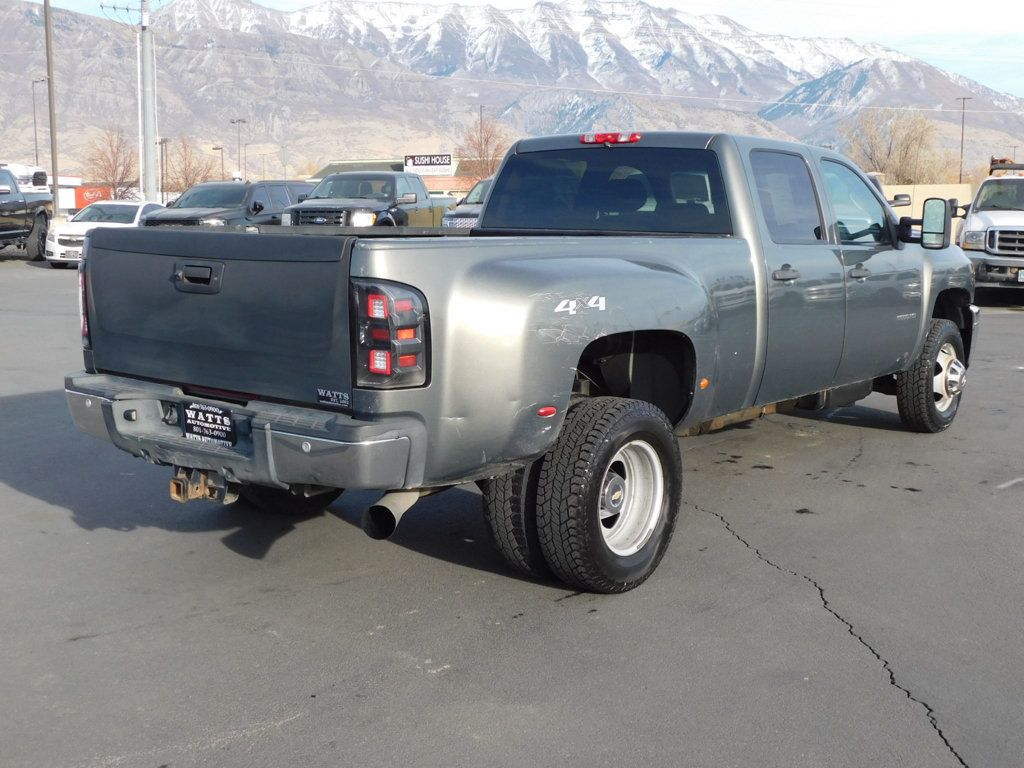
<point>24,216</point>
<point>369,199</point>
<point>623,290</point>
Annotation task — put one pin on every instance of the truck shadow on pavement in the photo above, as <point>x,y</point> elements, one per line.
<point>45,457</point>
<point>854,415</point>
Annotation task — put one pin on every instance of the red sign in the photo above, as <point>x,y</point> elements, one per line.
<point>86,195</point>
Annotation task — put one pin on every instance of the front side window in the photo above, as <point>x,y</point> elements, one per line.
<point>786,194</point>
<point>860,216</point>
<point>279,196</point>
<point>622,189</point>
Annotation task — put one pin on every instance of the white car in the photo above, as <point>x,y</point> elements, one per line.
<point>64,242</point>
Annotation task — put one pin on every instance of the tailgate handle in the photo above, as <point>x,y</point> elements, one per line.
<point>200,275</point>
<point>198,278</point>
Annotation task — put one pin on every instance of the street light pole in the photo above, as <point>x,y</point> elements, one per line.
<point>35,128</point>
<point>221,150</point>
<point>963,114</point>
<point>239,121</point>
<point>245,161</point>
<point>1012,146</point>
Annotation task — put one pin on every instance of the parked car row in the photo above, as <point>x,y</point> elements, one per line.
<point>352,199</point>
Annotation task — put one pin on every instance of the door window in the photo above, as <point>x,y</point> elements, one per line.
<point>279,197</point>
<point>786,193</point>
<point>860,216</point>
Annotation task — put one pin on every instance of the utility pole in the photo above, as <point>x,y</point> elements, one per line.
<point>51,97</point>
<point>1012,146</point>
<point>221,150</point>
<point>963,113</point>
<point>35,128</point>
<point>147,105</point>
<point>239,121</point>
<point>147,99</point>
<point>480,125</point>
<point>264,158</point>
<point>245,161</point>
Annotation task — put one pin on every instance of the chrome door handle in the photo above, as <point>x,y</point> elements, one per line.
<point>786,273</point>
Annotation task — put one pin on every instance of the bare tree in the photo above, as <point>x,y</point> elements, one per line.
<point>186,166</point>
<point>482,147</point>
<point>113,161</point>
<point>900,144</point>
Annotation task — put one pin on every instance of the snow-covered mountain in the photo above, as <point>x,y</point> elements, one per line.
<point>361,78</point>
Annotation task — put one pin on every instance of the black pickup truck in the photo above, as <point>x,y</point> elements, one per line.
<point>24,216</point>
<point>357,199</point>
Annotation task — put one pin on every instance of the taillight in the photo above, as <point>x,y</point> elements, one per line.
<point>83,305</point>
<point>390,329</point>
<point>610,138</point>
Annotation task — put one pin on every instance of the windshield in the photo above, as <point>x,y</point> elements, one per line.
<point>366,187</point>
<point>625,189</point>
<point>212,197</point>
<point>478,192</point>
<point>114,214</point>
<point>1001,195</point>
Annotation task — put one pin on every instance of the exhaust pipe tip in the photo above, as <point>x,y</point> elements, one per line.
<point>379,522</point>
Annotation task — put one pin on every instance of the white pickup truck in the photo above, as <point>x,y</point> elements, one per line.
<point>992,233</point>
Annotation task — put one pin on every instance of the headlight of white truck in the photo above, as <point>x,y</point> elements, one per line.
<point>974,240</point>
<point>214,222</point>
<point>363,218</point>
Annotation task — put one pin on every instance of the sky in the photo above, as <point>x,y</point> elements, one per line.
<point>978,39</point>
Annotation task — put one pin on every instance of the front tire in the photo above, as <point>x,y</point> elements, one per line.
<point>609,494</point>
<point>35,246</point>
<point>281,501</point>
<point>928,393</point>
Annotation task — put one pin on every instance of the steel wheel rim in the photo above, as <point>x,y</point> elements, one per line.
<point>949,378</point>
<point>632,498</point>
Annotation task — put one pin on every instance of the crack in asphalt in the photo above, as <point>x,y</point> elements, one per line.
<point>849,628</point>
<point>856,457</point>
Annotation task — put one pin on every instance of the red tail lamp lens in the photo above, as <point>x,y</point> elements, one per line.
<point>404,305</point>
<point>405,334</point>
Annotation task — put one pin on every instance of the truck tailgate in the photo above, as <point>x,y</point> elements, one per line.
<point>261,314</point>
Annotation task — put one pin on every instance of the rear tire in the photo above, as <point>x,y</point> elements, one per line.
<point>510,509</point>
<point>608,494</point>
<point>928,393</point>
<point>35,246</point>
<point>58,265</point>
<point>281,501</point>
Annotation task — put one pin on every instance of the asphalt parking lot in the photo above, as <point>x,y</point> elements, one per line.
<point>839,593</point>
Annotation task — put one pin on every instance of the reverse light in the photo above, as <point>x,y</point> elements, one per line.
<point>213,222</point>
<point>83,305</point>
<point>610,138</point>
<point>390,332</point>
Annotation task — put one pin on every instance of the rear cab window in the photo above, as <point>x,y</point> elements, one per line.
<point>785,193</point>
<point>625,189</point>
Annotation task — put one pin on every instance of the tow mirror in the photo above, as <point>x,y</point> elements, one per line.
<point>407,199</point>
<point>900,201</point>
<point>300,198</point>
<point>39,179</point>
<point>257,206</point>
<point>936,224</point>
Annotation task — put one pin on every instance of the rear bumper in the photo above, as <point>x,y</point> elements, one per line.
<point>277,445</point>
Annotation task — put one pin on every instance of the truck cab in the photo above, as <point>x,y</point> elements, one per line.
<point>992,233</point>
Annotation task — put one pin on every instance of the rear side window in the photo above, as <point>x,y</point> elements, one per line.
<point>7,180</point>
<point>786,194</point>
<point>623,189</point>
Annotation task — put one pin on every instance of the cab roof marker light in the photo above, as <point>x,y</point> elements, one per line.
<point>610,138</point>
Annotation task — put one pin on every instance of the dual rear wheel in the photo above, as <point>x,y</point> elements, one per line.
<point>597,510</point>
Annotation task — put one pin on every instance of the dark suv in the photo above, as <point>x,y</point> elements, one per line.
<point>231,203</point>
